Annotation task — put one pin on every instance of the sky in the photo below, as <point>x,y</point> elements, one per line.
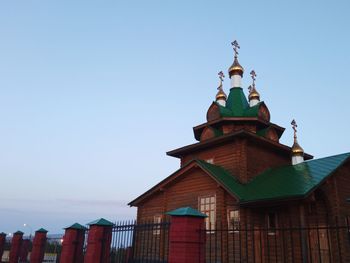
<point>93,93</point>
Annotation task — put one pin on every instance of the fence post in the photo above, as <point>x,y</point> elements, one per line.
<point>99,241</point>
<point>2,243</point>
<point>73,244</point>
<point>39,243</point>
<point>187,236</point>
<point>16,244</point>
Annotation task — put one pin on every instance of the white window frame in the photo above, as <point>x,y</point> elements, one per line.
<point>209,224</point>
<point>157,219</point>
<point>231,222</point>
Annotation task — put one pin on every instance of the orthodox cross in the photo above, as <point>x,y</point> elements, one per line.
<point>294,126</point>
<point>253,75</point>
<point>221,77</point>
<point>235,47</point>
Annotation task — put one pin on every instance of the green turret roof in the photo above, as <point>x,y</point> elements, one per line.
<point>237,105</point>
<point>18,233</point>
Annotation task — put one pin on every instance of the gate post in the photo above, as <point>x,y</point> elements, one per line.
<point>24,250</point>
<point>187,236</point>
<point>99,241</point>
<point>38,250</point>
<point>2,244</point>
<point>16,244</point>
<point>73,244</point>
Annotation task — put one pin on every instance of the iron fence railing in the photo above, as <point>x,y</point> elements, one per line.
<point>137,243</point>
<point>247,243</point>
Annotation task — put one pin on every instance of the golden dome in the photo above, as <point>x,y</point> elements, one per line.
<point>253,94</point>
<point>221,95</point>
<point>235,68</point>
<point>297,150</point>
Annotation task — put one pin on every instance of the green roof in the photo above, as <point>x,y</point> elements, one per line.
<point>42,230</point>
<point>238,106</point>
<point>289,181</point>
<point>18,233</point>
<point>2,234</point>
<point>76,226</point>
<point>186,211</point>
<point>101,222</point>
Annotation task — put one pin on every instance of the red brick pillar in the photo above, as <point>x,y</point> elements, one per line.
<point>16,244</point>
<point>39,243</point>
<point>73,244</point>
<point>99,241</point>
<point>187,236</point>
<point>23,255</point>
<point>2,244</point>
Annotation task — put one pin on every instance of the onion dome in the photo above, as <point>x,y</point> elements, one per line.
<point>221,95</point>
<point>236,68</point>
<point>253,94</point>
<point>296,148</point>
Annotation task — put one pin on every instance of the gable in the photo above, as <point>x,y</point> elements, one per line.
<point>194,176</point>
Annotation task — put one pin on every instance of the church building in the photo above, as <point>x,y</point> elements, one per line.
<point>238,172</point>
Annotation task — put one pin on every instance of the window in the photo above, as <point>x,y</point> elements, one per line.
<point>233,219</point>
<point>271,222</point>
<point>157,219</point>
<point>207,206</point>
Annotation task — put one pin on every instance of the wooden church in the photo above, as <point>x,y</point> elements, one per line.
<point>238,172</point>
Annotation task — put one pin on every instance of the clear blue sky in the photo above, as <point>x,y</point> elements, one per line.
<point>93,93</point>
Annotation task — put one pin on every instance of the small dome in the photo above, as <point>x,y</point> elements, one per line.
<point>253,94</point>
<point>221,95</point>
<point>236,68</point>
<point>297,150</point>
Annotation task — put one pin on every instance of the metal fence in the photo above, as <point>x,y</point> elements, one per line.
<point>137,243</point>
<point>317,243</point>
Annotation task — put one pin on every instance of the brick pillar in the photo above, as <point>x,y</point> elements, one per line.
<point>16,244</point>
<point>2,244</point>
<point>23,255</point>
<point>39,243</point>
<point>99,241</point>
<point>73,244</point>
<point>187,236</point>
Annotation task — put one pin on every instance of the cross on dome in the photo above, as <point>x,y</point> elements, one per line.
<point>294,126</point>
<point>253,75</point>
<point>235,47</point>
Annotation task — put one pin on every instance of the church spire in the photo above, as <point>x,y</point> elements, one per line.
<point>236,70</point>
<point>297,151</point>
<point>254,96</point>
<point>221,95</point>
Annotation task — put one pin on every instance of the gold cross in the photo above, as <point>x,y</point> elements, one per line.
<point>221,77</point>
<point>235,47</point>
<point>294,126</point>
<point>253,75</point>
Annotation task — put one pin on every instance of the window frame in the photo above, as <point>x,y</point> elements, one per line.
<point>208,223</point>
<point>232,225</point>
<point>157,219</point>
